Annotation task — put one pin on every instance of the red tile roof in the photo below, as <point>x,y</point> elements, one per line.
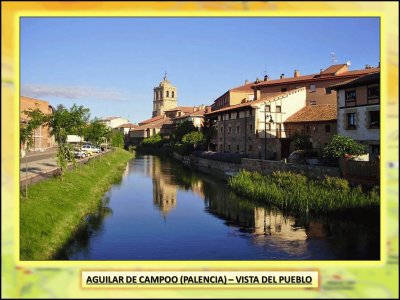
<point>155,124</point>
<point>272,97</point>
<point>314,113</point>
<point>364,80</point>
<point>151,120</point>
<point>332,70</point>
<point>127,125</point>
<point>317,77</point>
<point>186,109</point>
<point>243,88</point>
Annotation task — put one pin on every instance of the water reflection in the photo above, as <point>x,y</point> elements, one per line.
<point>246,230</point>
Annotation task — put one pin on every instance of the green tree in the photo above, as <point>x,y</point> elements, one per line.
<point>64,122</point>
<point>95,131</point>
<point>301,142</point>
<point>209,131</point>
<point>182,129</point>
<point>341,145</point>
<point>116,138</point>
<point>193,138</point>
<point>34,118</point>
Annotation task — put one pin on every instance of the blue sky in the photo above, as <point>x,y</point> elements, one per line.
<point>111,65</point>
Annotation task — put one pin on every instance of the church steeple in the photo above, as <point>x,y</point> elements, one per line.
<point>164,97</point>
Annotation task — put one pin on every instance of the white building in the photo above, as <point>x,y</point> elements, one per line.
<point>359,111</point>
<point>114,122</point>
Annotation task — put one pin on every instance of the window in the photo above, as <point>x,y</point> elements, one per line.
<point>283,90</point>
<point>173,94</point>
<point>327,128</point>
<point>229,129</point>
<point>308,129</point>
<point>229,147</point>
<point>167,93</point>
<point>373,93</point>
<point>237,129</point>
<point>230,116</point>
<point>222,129</point>
<point>351,121</point>
<point>267,108</point>
<point>374,119</point>
<point>313,102</point>
<point>328,91</point>
<point>250,148</point>
<point>278,108</point>
<point>350,97</point>
<point>312,87</point>
<point>237,115</point>
<point>251,127</point>
<point>250,112</point>
<point>237,148</point>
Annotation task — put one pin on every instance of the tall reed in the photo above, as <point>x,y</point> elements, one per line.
<point>295,193</point>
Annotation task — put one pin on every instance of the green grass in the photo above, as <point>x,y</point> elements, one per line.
<point>295,193</point>
<point>54,209</point>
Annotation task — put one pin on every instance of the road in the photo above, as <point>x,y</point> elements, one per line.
<point>34,156</point>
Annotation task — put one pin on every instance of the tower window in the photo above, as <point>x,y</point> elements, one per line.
<point>167,93</point>
<point>173,94</point>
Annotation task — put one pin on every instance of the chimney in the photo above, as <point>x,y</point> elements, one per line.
<point>246,81</point>
<point>368,66</point>
<point>282,76</point>
<point>266,78</point>
<point>296,73</point>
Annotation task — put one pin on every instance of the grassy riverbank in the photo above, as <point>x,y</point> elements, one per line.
<point>54,208</point>
<point>295,193</point>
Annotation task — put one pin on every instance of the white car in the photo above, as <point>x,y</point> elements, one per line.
<point>90,149</point>
<point>80,153</point>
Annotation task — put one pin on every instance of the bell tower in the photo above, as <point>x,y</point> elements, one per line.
<point>165,97</point>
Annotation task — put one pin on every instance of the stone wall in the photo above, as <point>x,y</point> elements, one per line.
<point>266,167</point>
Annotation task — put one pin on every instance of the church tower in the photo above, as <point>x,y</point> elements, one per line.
<point>165,97</point>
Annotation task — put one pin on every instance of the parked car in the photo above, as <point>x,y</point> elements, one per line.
<point>79,153</point>
<point>90,149</point>
<point>309,157</point>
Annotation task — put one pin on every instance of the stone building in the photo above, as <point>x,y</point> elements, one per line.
<point>255,128</point>
<point>359,111</point>
<point>316,121</point>
<point>165,97</point>
<point>42,137</point>
<point>318,86</point>
<point>114,122</point>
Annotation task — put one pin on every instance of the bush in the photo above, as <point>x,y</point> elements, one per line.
<point>341,145</point>
<point>153,141</point>
<point>182,149</point>
<point>193,138</point>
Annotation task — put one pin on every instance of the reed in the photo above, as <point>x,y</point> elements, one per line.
<point>295,193</point>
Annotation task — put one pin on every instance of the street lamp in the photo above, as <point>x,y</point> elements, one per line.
<point>265,128</point>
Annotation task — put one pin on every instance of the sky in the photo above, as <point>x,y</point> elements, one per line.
<point>111,65</point>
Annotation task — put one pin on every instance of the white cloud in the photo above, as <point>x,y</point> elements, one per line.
<point>71,92</point>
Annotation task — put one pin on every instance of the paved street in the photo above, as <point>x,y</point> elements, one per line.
<point>40,166</point>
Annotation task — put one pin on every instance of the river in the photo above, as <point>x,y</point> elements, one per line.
<point>162,211</point>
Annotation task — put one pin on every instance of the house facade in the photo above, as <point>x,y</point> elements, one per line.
<point>114,122</point>
<point>42,137</point>
<point>316,121</point>
<point>359,111</point>
<point>318,85</point>
<point>234,96</point>
<point>256,128</point>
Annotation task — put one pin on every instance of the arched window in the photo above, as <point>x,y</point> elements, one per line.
<point>173,94</point>
<point>167,93</point>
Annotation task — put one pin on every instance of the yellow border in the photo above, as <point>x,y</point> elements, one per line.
<point>191,264</point>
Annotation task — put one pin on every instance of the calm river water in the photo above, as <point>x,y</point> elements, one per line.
<point>162,211</point>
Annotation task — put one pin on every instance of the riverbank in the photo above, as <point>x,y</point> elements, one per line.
<point>54,208</point>
<point>295,193</point>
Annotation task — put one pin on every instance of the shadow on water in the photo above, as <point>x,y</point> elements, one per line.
<point>91,225</point>
<point>346,236</point>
